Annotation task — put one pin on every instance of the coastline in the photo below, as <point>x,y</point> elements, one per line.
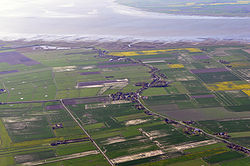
<point>139,30</point>
<point>114,38</point>
<point>121,45</point>
<point>208,16</point>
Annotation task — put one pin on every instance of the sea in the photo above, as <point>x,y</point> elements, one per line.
<point>103,20</point>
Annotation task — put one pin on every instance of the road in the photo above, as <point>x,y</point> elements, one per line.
<point>44,101</point>
<point>91,139</point>
<point>185,125</point>
<point>62,158</point>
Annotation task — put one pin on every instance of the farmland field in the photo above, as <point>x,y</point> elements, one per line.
<point>94,106</point>
<point>192,7</point>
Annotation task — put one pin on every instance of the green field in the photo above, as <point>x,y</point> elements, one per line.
<point>31,120</point>
<point>192,7</point>
<point>223,157</point>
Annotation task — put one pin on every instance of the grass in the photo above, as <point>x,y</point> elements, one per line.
<point>30,86</point>
<point>186,104</point>
<point>238,162</point>
<point>131,116</point>
<point>223,157</point>
<point>181,89</point>
<point>207,102</point>
<point>34,130</point>
<point>240,108</point>
<point>5,140</point>
<point>124,131</point>
<point>207,147</point>
<point>7,160</point>
<point>217,77</point>
<point>105,134</point>
<point>238,53</point>
<point>240,134</point>
<point>225,99</point>
<point>35,156</point>
<point>129,148</point>
<point>87,92</point>
<point>34,83</point>
<point>184,158</point>
<point>68,149</point>
<point>36,142</point>
<point>244,141</point>
<point>68,131</point>
<point>226,126</point>
<point>154,92</point>
<point>171,135</point>
<point>94,126</point>
<point>191,163</point>
<point>96,160</point>
<point>194,87</point>
<point>156,100</point>
<point>180,7</point>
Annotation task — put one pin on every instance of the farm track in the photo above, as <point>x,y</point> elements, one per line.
<point>45,101</point>
<point>30,71</point>
<point>62,158</point>
<point>139,100</point>
<point>185,125</point>
<point>91,139</point>
<point>24,149</point>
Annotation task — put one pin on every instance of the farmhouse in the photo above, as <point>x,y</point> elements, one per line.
<point>57,126</point>
<point>3,91</point>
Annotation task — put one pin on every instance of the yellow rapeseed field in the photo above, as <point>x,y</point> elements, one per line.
<point>239,64</point>
<point>224,86</point>
<point>153,52</point>
<point>231,3</point>
<point>246,91</point>
<point>176,66</point>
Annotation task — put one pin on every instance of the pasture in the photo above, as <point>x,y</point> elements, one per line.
<point>201,87</point>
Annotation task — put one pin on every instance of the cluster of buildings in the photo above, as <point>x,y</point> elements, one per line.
<point>158,80</point>
<point>224,62</point>
<point>163,75</point>
<point>189,122</point>
<point>223,135</point>
<point>148,112</point>
<point>131,96</point>
<point>238,148</point>
<point>57,126</point>
<point>3,91</point>
<point>46,47</point>
<point>169,121</point>
<point>192,131</point>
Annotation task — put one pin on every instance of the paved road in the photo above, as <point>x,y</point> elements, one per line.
<point>45,101</point>
<point>185,125</point>
<point>91,139</point>
<point>62,158</point>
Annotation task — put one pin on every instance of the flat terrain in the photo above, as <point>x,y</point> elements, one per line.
<point>65,105</point>
<point>193,7</point>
